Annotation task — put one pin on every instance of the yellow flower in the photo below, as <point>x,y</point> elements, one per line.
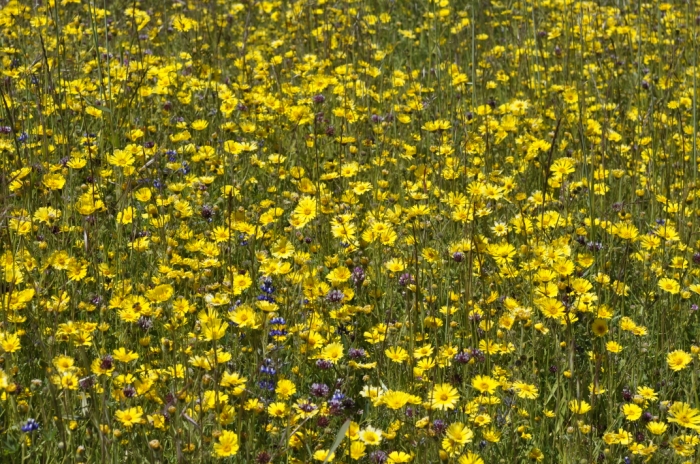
<point>305,211</point>
<point>425,350</point>
<point>244,316</point>
<point>227,444</point>
<point>9,342</point>
<point>332,352</point>
<point>599,327</point>
<point>121,158</point>
<point>157,420</point>
<point>459,433</point>
<point>669,285</point>
<point>214,330</point>
<point>357,450</point>
<point>535,454</point>
<point>277,410</point>
<point>47,215</point>
<point>394,399</point>
<point>656,428</point>
<point>395,265</point>
<point>324,455</point>
<point>143,194</point>
<point>121,354</point>
<point>160,293</point>
<point>135,134</point>
<point>551,308</point>
<point>481,420</point>
<point>240,283</point>
<point>626,231</point>
<point>437,125</point>
<point>254,404</point>
<point>632,412</point>
<point>396,354</point>
<point>444,396</point>
<point>685,416</point>
<point>126,216</point>
<point>129,417</point>
<point>339,275</point>
<point>63,363</point>
<point>371,436</point>
<point>579,407</point>
<point>94,112</point>
<point>647,393</point>
<point>613,347</point>
<point>285,389</point>
<point>525,390</point>
<point>485,384</point>
<point>678,360</point>
<point>69,381</point>
<point>199,124</point>
<point>54,181</point>
<point>398,457</point>
<point>492,435</point>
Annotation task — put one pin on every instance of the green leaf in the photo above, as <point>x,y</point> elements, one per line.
<point>11,446</point>
<point>338,439</point>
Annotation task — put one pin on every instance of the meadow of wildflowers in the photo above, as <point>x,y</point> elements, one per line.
<point>349,231</point>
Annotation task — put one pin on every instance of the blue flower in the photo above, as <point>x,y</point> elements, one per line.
<point>30,426</point>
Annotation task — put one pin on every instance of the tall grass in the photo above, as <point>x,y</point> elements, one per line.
<point>349,231</point>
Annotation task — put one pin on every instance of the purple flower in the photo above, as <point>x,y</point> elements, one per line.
<point>266,385</point>
<point>323,364</point>
<point>335,296</point>
<point>107,362</point>
<point>356,353</point>
<point>626,394</point>
<point>207,212</point>
<point>439,426</point>
<point>307,407</point>
<point>339,402</point>
<point>478,355</point>
<point>145,323</point>
<point>378,457</point>
<point>86,382</point>
<point>129,391</point>
<point>320,389</point>
<point>405,279</point>
<point>358,276</point>
<point>594,246</point>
